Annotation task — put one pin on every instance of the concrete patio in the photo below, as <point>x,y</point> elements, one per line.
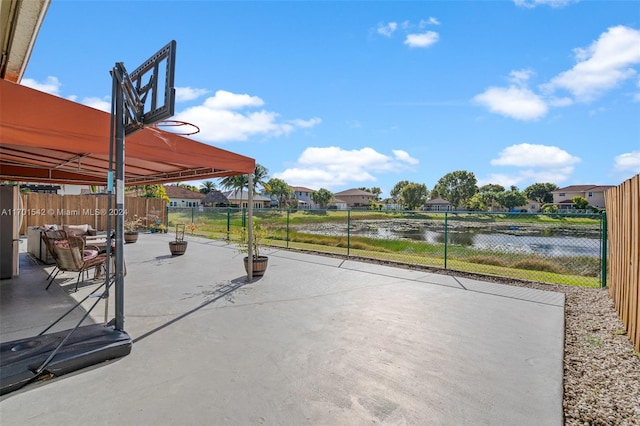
<point>317,340</point>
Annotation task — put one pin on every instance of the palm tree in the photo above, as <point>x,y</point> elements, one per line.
<point>235,183</point>
<point>207,186</point>
<point>240,182</point>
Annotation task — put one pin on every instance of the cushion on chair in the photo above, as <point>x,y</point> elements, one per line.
<point>89,254</point>
<point>78,230</point>
<point>61,243</point>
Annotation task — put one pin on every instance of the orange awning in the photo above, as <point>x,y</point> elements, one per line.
<point>45,138</point>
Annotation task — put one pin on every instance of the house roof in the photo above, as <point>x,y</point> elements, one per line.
<point>215,197</point>
<point>437,201</point>
<point>354,191</point>
<point>236,195</point>
<point>174,191</point>
<point>584,188</point>
<point>301,189</point>
<point>48,139</point>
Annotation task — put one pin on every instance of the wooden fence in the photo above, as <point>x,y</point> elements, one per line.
<point>39,209</point>
<point>623,228</point>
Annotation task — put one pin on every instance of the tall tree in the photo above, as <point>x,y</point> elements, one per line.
<point>414,195</point>
<point>154,191</point>
<point>241,182</point>
<point>321,197</point>
<point>457,187</point>
<point>541,192</point>
<point>279,189</point>
<point>487,196</point>
<point>207,186</point>
<point>373,190</point>
<point>397,189</point>
<point>511,199</point>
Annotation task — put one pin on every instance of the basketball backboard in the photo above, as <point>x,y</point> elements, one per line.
<point>149,90</point>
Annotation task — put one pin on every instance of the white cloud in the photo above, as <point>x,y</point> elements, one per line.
<point>531,155</point>
<point>387,29</point>
<point>51,85</point>
<point>222,118</point>
<point>227,100</point>
<point>425,39</point>
<point>530,4</point>
<point>601,66</point>
<point>334,167</point>
<point>430,21</point>
<point>184,94</point>
<point>404,156</point>
<point>515,102</point>
<point>629,161</point>
<point>306,123</point>
<point>521,77</point>
<point>535,163</point>
<point>98,103</point>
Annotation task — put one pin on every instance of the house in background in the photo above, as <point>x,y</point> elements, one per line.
<point>594,194</point>
<point>355,198</point>
<point>241,200</point>
<point>437,205</point>
<point>303,195</point>
<point>215,198</point>
<point>183,197</point>
<point>338,204</point>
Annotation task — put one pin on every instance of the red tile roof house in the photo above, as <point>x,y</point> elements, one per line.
<point>183,197</point>
<point>593,193</point>
<point>355,198</point>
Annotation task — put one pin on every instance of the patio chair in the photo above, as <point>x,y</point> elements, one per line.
<point>48,238</point>
<point>72,255</point>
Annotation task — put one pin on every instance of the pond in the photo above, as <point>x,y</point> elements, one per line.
<point>506,239</point>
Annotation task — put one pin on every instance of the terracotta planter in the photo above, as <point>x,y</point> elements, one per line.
<point>130,237</point>
<point>177,248</point>
<point>259,265</point>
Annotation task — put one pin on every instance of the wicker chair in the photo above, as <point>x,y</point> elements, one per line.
<point>71,255</point>
<point>48,238</point>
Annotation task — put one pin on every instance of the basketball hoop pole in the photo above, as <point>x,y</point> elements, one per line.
<point>142,99</point>
<point>119,76</point>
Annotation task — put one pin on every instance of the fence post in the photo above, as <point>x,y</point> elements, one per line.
<point>348,232</point>
<point>287,236</point>
<point>446,237</point>
<point>228,223</point>
<point>603,250</point>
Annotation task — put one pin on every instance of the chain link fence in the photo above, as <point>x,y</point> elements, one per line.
<point>553,248</point>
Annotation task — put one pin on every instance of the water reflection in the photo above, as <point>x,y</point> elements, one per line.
<point>544,243</point>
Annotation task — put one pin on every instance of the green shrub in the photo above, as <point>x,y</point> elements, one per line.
<point>537,264</point>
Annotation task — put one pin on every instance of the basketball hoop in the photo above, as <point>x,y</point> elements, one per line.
<point>170,125</point>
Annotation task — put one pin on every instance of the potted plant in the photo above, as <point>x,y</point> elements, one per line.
<point>131,230</point>
<point>260,262</point>
<point>178,246</point>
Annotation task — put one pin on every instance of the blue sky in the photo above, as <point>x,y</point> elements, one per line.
<point>348,94</point>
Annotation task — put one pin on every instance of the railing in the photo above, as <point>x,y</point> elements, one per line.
<point>552,248</point>
<point>623,210</point>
